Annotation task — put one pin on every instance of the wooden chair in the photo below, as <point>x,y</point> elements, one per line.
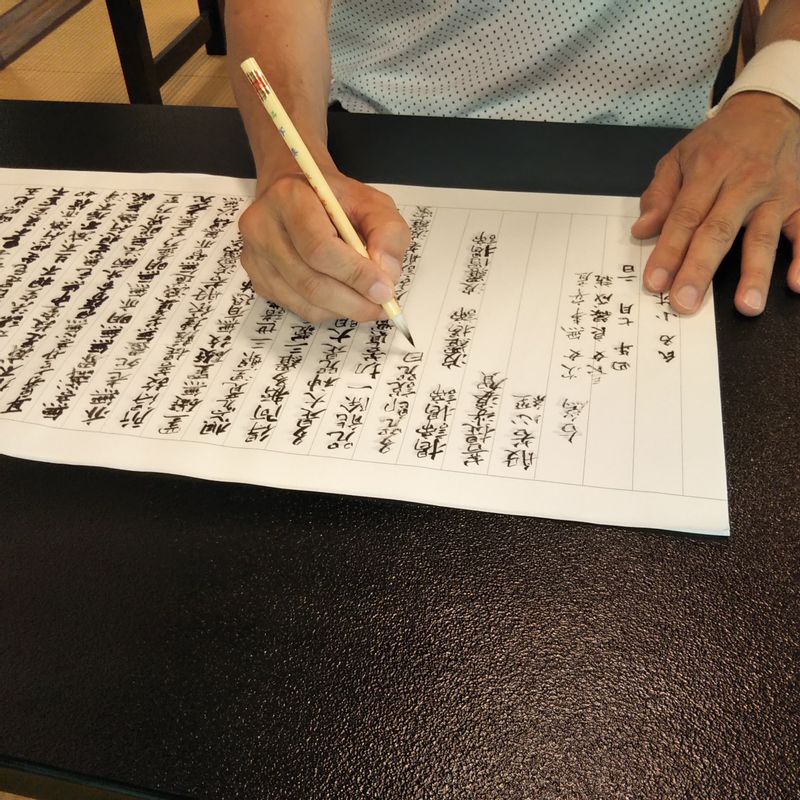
<point>744,42</point>
<point>146,73</point>
<point>28,22</point>
<point>751,12</point>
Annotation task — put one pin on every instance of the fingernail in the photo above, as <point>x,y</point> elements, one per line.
<point>688,297</point>
<point>753,299</point>
<point>658,279</point>
<point>392,266</point>
<point>380,292</point>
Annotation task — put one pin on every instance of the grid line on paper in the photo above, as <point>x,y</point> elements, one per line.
<point>151,246</point>
<point>553,343</point>
<point>435,326</point>
<point>224,366</point>
<point>173,313</point>
<point>133,435</point>
<point>296,377</point>
<point>252,312</point>
<point>379,385</point>
<point>252,386</point>
<point>533,211</point>
<point>434,210</point>
<point>319,427</point>
<point>31,247</point>
<point>591,380</point>
<point>132,443</point>
<point>87,287</point>
<point>438,320</point>
<point>636,381</point>
<point>392,335</point>
<point>495,439</point>
<point>472,340</point>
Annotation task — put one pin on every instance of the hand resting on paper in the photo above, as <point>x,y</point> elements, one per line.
<point>740,168</point>
<point>294,256</point>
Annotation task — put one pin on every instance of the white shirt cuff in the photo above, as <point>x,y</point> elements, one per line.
<point>775,69</point>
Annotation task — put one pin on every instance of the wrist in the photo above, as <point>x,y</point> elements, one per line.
<point>277,161</point>
<point>763,104</point>
<point>772,71</point>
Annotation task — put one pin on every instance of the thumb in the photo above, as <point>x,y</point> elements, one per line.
<point>386,235</point>
<point>657,199</point>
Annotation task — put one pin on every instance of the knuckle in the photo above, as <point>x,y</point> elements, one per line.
<point>719,230</point>
<point>759,178</point>
<point>321,254</point>
<point>666,161</point>
<point>669,254</point>
<point>383,197</point>
<point>257,227</point>
<point>282,186</point>
<point>262,288</point>
<point>356,271</point>
<point>247,223</point>
<point>257,272</point>
<point>655,194</point>
<point>652,191</point>
<point>703,269</point>
<point>763,239</point>
<point>686,217</point>
<point>311,287</point>
<point>710,159</point>
<point>395,238</point>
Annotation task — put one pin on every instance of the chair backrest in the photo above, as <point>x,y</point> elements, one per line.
<point>750,13</point>
<point>744,41</point>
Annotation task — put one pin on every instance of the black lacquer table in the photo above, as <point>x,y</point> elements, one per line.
<point>164,636</point>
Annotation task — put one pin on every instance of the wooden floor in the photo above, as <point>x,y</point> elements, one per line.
<point>78,61</point>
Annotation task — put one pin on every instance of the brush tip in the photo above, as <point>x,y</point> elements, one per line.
<point>401,325</point>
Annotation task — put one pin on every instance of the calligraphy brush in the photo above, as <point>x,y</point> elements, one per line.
<point>312,172</point>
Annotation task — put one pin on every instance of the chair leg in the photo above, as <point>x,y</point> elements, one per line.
<point>214,11</point>
<point>135,54</point>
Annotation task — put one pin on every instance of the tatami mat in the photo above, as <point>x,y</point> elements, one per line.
<point>78,61</point>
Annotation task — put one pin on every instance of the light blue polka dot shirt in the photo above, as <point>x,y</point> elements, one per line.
<point>628,62</point>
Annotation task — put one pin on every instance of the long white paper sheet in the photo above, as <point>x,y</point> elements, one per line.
<point>545,381</point>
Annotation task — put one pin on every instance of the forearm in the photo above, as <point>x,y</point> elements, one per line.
<point>290,42</point>
<point>780,20</point>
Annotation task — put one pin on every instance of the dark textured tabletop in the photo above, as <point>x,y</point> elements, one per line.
<point>225,641</point>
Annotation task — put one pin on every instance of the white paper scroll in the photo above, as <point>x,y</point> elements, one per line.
<point>545,381</point>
